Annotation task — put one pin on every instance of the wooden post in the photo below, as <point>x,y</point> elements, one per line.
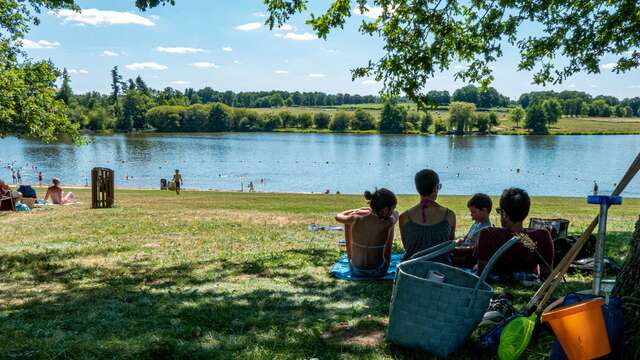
<point>102,188</point>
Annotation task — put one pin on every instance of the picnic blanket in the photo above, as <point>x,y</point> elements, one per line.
<point>341,269</point>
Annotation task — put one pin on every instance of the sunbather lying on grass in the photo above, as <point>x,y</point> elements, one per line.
<point>369,233</point>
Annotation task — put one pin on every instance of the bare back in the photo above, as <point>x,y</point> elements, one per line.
<point>55,193</point>
<point>370,236</point>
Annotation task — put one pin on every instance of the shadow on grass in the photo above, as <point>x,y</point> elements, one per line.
<point>279,304</point>
<point>138,310</point>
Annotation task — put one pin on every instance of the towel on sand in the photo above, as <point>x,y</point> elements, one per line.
<point>341,269</point>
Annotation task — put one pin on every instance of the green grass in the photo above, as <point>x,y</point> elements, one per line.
<point>212,275</point>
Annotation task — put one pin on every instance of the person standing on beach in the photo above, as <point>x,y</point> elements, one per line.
<point>177,179</point>
<point>40,178</point>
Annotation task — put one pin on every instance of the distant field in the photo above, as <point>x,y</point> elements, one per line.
<point>583,125</point>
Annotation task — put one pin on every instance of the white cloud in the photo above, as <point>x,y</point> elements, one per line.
<point>285,27</point>
<point>370,82</point>
<point>249,26</point>
<point>635,86</point>
<point>608,66</point>
<point>154,17</point>
<point>204,64</point>
<point>281,72</point>
<point>227,49</point>
<point>373,12</point>
<point>259,14</point>
<point>98,17</point>
<point>278,35</point>
<point>236,61</point>
<point>312,75</point>
<point>300,37</point>
<point>180,82</point>
<point>109,53</point>
<point>40,44</point>
<point>75,71</point>
<point>460,66</point>
<point>571,86</point>
<point>179,50</point>
<point>593,85</point>
<point>146,66</point>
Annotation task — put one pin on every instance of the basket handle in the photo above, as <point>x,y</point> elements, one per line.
<point>487,269</point>
<point>434,251</point>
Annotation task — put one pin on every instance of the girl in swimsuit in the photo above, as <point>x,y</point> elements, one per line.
<point>369,233</point>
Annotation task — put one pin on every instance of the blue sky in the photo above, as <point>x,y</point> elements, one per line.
<point>224,44</point>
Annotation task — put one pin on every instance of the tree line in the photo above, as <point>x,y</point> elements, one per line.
<point>133,105</point>
<point>578,103</point>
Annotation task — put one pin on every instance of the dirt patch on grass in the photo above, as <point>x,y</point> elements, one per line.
<point>365,333</point>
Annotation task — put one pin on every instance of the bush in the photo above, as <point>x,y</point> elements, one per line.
<point>196,118</point>
<point>440,126</point>
<point>271,121</point>
<point>363,120</point>
<point>482,122</point>
<point>536,119</point>
<point>288,119</point>
<point>305,120</point>
<point>427,121</point>
<point>220,117</point>
<point>461,116</point>
<point>247,120</point>
<point>493,119</point>
<point>392,118</point>
<point>412,121</point>
<point>165,117</point>
<point>321,120</point>
<point>340,121</point>
<point>517,115</point>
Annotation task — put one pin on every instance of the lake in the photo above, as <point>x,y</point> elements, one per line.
<point>349,163</point>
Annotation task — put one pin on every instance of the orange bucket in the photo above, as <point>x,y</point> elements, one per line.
<point>580,329</point>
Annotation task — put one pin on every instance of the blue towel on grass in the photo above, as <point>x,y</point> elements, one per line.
<point>341,269</point>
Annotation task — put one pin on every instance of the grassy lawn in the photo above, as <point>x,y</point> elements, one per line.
<point>212,275</point>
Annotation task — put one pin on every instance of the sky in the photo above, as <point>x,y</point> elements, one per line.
<point>224,44</point>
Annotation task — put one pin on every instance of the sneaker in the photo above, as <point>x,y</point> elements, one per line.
<point>498,310</point>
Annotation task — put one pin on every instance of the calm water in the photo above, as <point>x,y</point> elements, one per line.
<point>549,165</point>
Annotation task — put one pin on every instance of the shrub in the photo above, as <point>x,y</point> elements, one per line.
<point>482,122</point>
<point>340,121</point>
<point>288,119</point>
<point>220,117</point>
<point>536,119</point>
<point>305,120</point>
<point>363,120</point>
<point>392,118</point>
<point>196,118</point>
<point>271,121</point>
<point>461,116</point>
<point>321,120</point>
<point>440,126</point>
<point>427,121</point>
<point>412,121</point>
<point>166,118</point>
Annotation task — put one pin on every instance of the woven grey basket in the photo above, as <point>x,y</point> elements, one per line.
<point>438,317</point>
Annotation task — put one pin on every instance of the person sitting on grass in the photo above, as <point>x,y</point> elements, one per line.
<point>479,209</point>
<point>59,197</point>
<point>427,224</point>
<point>479,206</point>
<point>369,233</point>
<point>19,205</point>
<point>514,208</point>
